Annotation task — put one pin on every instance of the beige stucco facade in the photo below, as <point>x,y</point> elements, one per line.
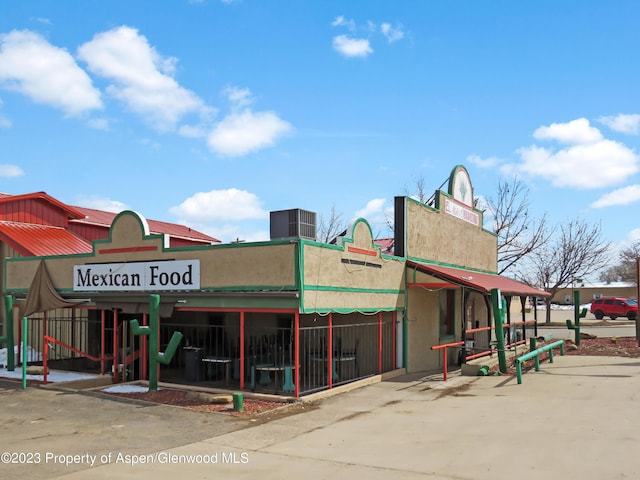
<point>348,282</point>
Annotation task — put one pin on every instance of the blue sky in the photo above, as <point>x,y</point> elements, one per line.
<point>213,113</point>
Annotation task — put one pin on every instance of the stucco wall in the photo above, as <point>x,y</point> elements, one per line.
<point>352,275</point>
<point>422,330</point>
<point>440,237</point>
<point>221,266</point>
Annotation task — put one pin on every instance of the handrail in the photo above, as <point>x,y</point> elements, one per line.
<point>488,329</point>
<point>536,355</point>
<point>444,347</point>
<point>45,353</point>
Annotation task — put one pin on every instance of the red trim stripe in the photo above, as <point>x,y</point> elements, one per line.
<point>128,249</point>
<point>363,251</point>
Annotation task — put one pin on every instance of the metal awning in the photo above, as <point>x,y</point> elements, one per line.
<point>480,281</point>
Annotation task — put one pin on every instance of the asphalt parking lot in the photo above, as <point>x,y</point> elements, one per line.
<point>577,417</point>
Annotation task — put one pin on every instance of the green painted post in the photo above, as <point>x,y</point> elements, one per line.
<point>8,333</point>
<point>499,306</point>
<point>577,315</point>
<point>152,331</point>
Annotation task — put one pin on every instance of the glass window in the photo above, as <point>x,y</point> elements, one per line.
<point>447,312</point>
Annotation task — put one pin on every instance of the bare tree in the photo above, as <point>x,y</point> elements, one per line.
<point>419,191</point>
<point>519,234</point>
<point>625,269</point>
<point>576,252</point>
<point>331,226</point>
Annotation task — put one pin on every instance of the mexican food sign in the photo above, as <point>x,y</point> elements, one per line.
<point>137,276</point>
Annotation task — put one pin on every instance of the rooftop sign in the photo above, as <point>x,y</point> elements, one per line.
<point>461,212</point>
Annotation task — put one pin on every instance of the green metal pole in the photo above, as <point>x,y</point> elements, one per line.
<point>154,316</point>
<point>499,306</point>
<point>577,315</point>
<point>8,333</point>
<point>152,331</point>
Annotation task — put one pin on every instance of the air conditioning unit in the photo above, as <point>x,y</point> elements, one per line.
<point>295,223</point>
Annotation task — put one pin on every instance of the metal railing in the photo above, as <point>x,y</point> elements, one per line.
<point>479,342</point>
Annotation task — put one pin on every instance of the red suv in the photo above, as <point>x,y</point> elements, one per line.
<point>614,307</point>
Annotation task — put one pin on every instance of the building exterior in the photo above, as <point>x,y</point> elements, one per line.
<point>289,316</point>
<point>589,291</point>
<point>36,224</point>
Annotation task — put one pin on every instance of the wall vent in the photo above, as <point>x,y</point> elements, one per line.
<point>294,223</point>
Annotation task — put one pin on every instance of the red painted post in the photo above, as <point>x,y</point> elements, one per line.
<point>124,352</point>
<point>444,354</point>
<point>45,352</point>
<point>115,346</point>
<point>393,340</point>
<point>102,342</point>
<point>242,365</point>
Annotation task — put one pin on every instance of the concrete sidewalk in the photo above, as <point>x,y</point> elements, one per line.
<point>575,418</point>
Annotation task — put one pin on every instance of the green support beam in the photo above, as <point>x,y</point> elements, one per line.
<point>499,305</point>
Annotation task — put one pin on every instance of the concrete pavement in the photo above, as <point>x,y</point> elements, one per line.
<point>576,418</point>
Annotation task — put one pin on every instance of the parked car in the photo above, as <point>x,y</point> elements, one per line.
<point>614,307</point>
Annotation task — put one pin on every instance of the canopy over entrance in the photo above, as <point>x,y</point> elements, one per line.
<point>482,282</point>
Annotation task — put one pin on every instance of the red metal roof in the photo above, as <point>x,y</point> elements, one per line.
<point>41,240</point>
<point>483,282</point>
<point>386,244</point>
<point>71,211</point>
<point>99,217</point>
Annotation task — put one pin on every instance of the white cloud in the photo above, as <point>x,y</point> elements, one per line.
<point>623,123</point>
<point>239,97</point>
<point>588,161</point>
<point>374,207</point>
<point>488,162</point>
<point>340,21</point>
<point>352,47</point>
<point>193,131</point>
<point>376,212</point>
<point>10,171</point>
<point>101,203</point>
<point>595,165</point>
<point>634,235</point>
<point>99,123</point>
<point>5,122</point>
<point>577,131</point>
<point>240,133</point>
<point>143,80</point>
<point>392,34</point>
<point>46,74</point>
<point>621,196</point>
<point>216,205</point>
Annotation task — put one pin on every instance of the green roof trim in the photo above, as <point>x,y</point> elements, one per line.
<point>450,265</point>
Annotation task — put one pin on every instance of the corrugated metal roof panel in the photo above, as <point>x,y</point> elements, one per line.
<point>99,217</point>
<point>41,240</point>
<point>71,211</point>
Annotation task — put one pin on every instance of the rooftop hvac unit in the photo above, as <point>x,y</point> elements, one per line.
<point>295,223</point>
